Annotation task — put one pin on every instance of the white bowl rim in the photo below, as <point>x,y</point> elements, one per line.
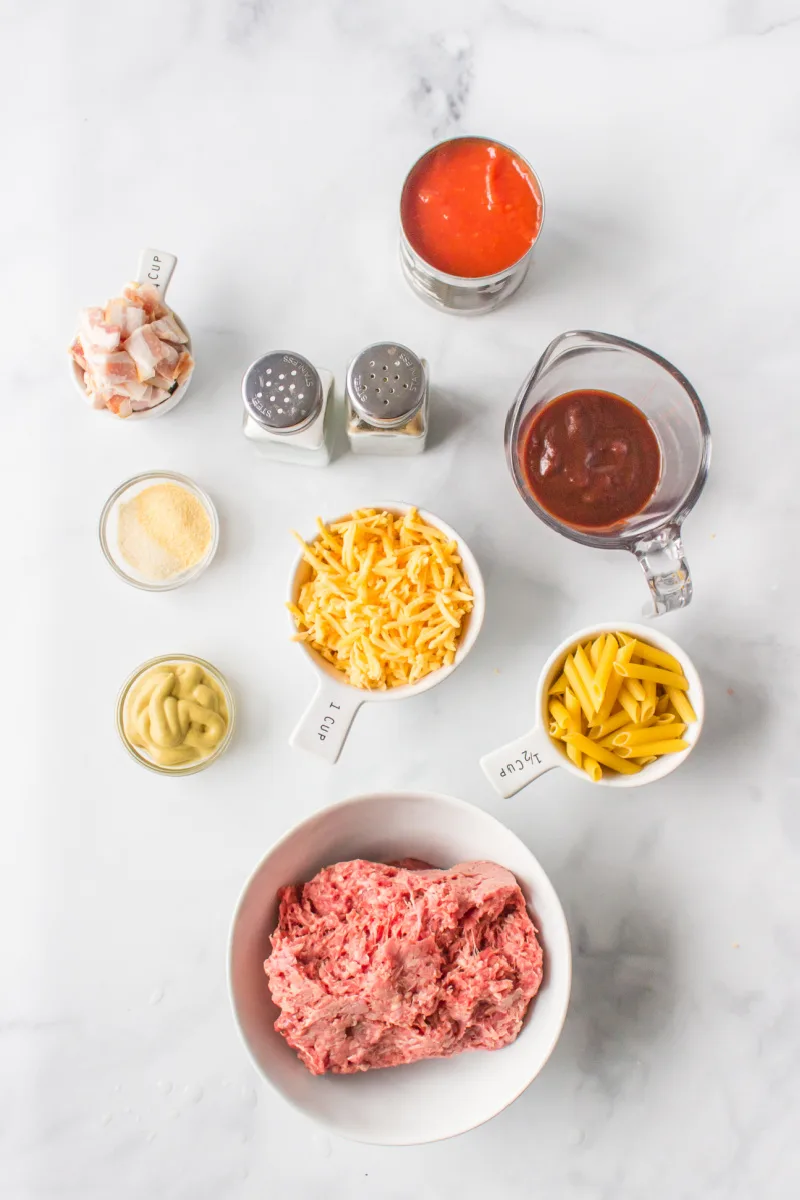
<point>465,644</point>
<point>458,805</point>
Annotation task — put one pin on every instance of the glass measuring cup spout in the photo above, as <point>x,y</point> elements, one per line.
<point>584,360</point>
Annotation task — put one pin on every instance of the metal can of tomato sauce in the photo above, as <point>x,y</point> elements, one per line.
<point>471,212</point>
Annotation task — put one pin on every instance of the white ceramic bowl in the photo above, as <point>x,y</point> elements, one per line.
<point>326,722</point>
<point>524,759</point>
<point>429,1100</point>
<point>157,267</point>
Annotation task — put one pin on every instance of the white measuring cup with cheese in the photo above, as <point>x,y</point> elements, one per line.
<point>521,761</point>
<point>324,726</point>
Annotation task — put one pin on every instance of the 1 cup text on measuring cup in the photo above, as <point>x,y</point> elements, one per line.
<point>154,270</point>
<point>327,723</point>
<point>518,764</point>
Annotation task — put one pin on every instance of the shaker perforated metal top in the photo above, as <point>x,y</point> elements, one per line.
<point>386,384</point>
<point>282,392</point>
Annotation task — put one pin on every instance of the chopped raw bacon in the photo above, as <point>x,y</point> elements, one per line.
<point>168,329</point>
<point>145,296</point>
<point>184,368</point>
<point>131,354</point>
<point>115,312</point>
<point>76,350</point>
<point>163,383</point>
<point>120,405</point>
<point>132,388</point>
<point>134,318</point>
<point>151,355</point>
<point>117,366</point>
<point>98,396</point>
<point>95,332</point>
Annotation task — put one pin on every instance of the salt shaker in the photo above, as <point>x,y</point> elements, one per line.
<point>387,401</point>
<point>289,409</point>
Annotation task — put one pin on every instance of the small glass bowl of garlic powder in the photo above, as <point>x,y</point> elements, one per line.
<point>159,531</point>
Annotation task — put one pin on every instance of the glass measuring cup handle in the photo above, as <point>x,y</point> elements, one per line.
<point>667,572</point>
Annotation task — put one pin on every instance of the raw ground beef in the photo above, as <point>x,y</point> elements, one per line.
<point>375,965</point>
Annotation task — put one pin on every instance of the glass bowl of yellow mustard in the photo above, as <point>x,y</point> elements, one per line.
<point>175,714</point>
<point>159,530</point>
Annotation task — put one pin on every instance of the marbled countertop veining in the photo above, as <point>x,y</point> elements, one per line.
<point>264,143</point>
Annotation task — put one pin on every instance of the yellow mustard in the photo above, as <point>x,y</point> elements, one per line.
<point>176,713</point>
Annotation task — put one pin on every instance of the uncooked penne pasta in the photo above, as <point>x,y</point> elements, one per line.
<point>608,742</point>
<point>559,713</point>
<point>659,657</point>
<point>584,668</point>
<point>626,651</point>
<point>595,650</point>
<point>574,754</point>
<point>606,757</point>
<point>614,684</point>
<point>610,699</point>
<point>573,707</point>
<point>650,733</point>
<point>592,768</point>
<point>619,705</point>
<point>650,698</point>
<point>602,671</point>
<point>610,726</point>
<point>641,671</point>
<point>682,705</point>
<point>576,683</point>
<point>629,704</point>
<point>648,749</point>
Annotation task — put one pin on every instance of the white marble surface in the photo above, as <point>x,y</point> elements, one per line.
<point>264,143</point>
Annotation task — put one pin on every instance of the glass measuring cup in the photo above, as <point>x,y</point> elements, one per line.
<point>583,359</point>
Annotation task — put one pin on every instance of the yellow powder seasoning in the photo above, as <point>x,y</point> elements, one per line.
<point>163,531</point>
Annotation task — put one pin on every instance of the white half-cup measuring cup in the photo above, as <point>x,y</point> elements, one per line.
<point>324,726</point>
<point>156,267</point>
<point>519,762</point>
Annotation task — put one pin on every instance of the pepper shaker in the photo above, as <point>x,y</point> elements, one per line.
<point>289,407</point>
<point>387,401</point>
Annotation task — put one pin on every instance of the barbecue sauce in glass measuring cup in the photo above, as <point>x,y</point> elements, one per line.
<point>590,458</point>
<point>623,382</point>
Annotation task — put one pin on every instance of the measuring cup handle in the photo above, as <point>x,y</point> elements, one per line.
<point>666,570</point>
<point>518,763</point>
<point>155,268</point>
<point>325,724</point>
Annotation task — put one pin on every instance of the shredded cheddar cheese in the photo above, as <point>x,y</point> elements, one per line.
<point>386,600</point>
